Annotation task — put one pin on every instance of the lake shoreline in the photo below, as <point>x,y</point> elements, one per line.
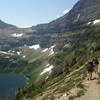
<point>9,83</point>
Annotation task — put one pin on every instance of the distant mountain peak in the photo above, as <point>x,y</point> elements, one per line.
<point>4,25</point>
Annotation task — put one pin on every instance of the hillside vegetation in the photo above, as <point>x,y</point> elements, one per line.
<point>69,62</point>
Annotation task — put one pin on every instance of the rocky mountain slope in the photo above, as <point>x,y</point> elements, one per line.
<point>83,13</point>
<point>6,30</point>
<point>13,36</point>
<point>5,25</point>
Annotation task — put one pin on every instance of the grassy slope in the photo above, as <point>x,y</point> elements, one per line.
<point>37,62</point>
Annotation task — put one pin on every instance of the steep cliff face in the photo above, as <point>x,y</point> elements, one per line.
<point>85,11</point>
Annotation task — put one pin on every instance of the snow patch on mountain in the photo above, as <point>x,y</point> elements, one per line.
<point>47,65</point>
<point>45,50</point>
<point>24,56</point>
<point>89,23</point>
<point>51,50</point>
<point>18,53</point>
<point>49,69</point>
<point>46,78</point>
<point>17,34</point>
<point>37,46</point>
<point>77,17</point>
<point>7,53</point>
<point>96,21</point>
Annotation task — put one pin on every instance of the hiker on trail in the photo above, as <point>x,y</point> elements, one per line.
<point>96,63</point>
<point>90,69</point>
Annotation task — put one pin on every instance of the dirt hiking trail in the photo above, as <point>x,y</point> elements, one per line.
<point>93,89</point>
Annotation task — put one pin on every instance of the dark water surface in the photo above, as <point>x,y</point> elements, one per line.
<point>9,83</point>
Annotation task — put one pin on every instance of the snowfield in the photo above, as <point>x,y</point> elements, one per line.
<point>45,50</point>
<point>17,34</point>
<point>24,56</point>
<point>7,53</point>
<point>49,69</point>
<point>96,21</point>
<point>89,23</point>
<point>18,53</point>
<point>35,47</point>
<point>51,50</point>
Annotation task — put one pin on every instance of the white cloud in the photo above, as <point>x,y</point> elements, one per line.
<point>66,11</point>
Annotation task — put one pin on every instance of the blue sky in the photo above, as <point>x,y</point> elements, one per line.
<point>24,13</point>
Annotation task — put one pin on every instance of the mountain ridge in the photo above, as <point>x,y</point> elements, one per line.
<point>5,25</point>
<point>82,12</point>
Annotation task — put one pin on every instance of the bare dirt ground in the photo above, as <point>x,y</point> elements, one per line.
<point>93,91</point>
